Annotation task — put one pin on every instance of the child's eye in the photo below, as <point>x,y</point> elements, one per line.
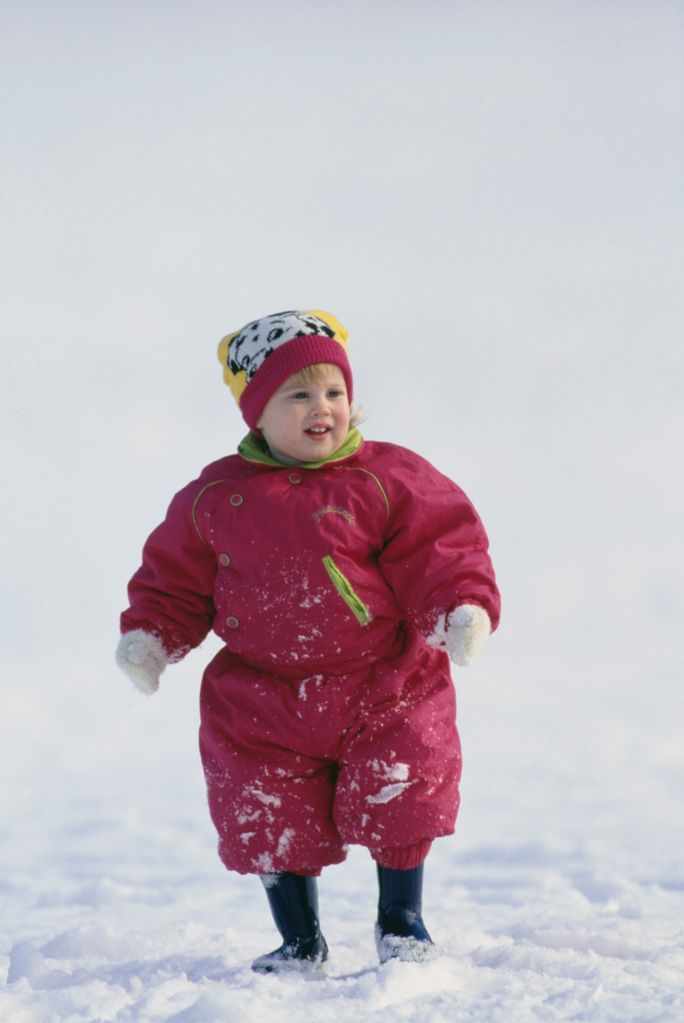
<point>336,392</point>
<point>300,395</point>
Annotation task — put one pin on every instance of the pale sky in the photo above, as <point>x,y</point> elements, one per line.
<point>489,196</point>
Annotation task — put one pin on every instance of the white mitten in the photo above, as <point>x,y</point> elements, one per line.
<point>462,634</point>
<point>141,656</point>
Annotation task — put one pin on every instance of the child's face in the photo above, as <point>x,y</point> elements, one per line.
<point>307,421</point>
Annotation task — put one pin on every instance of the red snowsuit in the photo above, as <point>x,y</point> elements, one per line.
<point>326,719</point>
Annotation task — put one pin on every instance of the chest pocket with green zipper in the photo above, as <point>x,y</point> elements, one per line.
<point>346,591</point>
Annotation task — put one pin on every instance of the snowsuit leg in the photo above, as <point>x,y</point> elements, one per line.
<point>270,797</point>
<point>400,764</point>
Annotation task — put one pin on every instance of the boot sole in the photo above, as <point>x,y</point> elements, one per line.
<point>265,964</point>
<point>406,950</point>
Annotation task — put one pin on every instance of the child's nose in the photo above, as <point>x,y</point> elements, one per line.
<point>320,404</point>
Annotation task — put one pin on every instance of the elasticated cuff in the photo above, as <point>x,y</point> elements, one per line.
<point>405,858</point>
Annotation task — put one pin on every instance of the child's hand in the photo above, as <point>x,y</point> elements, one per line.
<point>462,634</point>
<point>141,656</point>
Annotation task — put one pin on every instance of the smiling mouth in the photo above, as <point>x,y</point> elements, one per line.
<point>318,431</point>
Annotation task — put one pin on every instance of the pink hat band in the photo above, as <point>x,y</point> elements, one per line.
<point>282,362</point>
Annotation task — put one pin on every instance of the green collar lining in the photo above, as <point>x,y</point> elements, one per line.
<point>254,450</point>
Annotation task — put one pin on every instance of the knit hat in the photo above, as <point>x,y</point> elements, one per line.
<point>258,358</point>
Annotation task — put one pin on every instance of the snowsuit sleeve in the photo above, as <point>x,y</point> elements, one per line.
<point>436,553</point>
<point>171,594</point>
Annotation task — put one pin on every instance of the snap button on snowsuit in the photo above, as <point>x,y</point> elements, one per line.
<point>295,477</point>
<point>236,499</point>
<point>232,622</point>
<point>224,559</point>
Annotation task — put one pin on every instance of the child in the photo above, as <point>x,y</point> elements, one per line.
<point>340,573</point>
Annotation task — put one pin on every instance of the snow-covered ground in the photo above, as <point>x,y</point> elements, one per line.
<point>489,196</point>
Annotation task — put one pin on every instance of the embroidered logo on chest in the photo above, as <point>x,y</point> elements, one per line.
<point>329,509</point>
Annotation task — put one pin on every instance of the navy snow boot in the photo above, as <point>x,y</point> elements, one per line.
<point>294,904</point>
<point>400,932</point>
